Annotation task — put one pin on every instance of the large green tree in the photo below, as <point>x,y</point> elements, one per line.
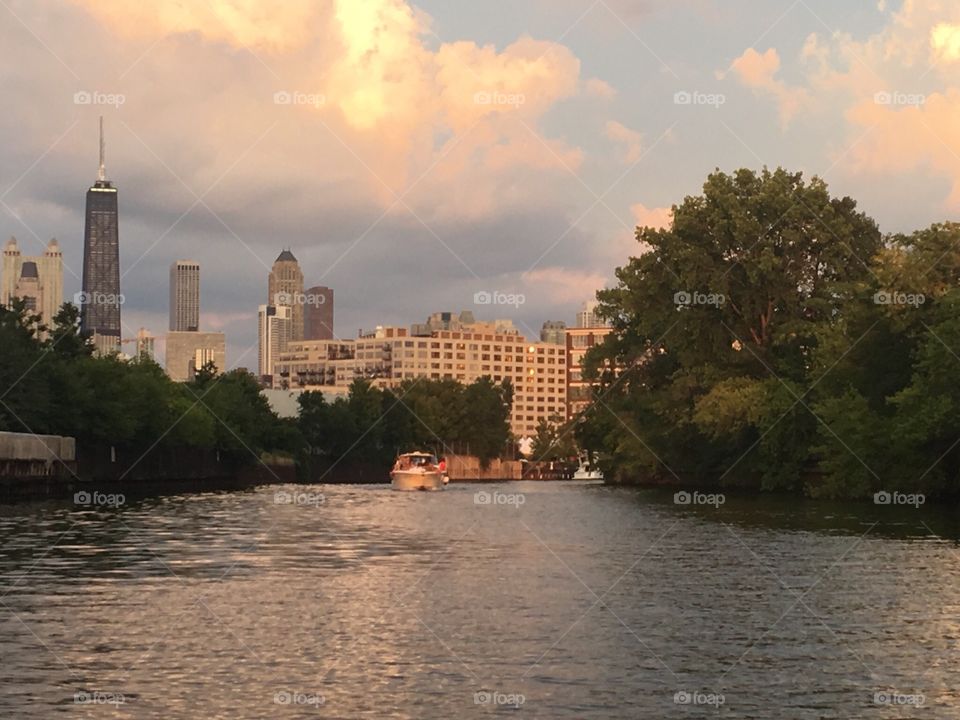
<point>716,325</point>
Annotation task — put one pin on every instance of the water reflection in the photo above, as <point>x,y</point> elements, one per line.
<point>583,601</point>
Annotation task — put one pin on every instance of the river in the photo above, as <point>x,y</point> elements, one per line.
<point>541,600</point>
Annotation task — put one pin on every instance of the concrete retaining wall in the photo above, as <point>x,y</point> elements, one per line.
<point>23,446</point>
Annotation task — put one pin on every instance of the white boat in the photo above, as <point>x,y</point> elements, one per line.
<point>417,471</point>
<point>587,470</point>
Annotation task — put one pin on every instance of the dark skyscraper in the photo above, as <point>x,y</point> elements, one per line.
<point>101,298</point>
<point>318,314</point>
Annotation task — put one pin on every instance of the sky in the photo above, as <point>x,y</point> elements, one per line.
<point>412,155</point>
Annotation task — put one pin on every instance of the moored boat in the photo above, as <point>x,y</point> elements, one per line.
<point>417,471</point>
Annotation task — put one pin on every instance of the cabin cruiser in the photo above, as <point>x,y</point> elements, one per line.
<point>417,471</point>
<point>588,469</point>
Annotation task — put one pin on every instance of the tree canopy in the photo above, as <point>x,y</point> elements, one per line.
<point>771,337</point>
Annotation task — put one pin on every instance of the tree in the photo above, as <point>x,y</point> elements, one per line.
<point>716,328</point>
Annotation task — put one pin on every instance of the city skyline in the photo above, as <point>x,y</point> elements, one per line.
<point>501,197</point>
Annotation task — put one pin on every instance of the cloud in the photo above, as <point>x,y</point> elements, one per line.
<point>945,42</point>
<point>600,88</point>
<point>629,139</point>
<point>374,88</point>
<point>563,285</point>
<point>659,218</point>
<point>758,72</point>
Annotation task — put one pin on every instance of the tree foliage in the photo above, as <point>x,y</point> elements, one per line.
<point>52,384</point>
<point>373,425</point>
<point>772,338</point>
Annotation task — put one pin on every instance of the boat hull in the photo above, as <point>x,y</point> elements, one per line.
<point>412,480</point>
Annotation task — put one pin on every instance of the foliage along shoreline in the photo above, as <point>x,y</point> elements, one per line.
<point>772,339</point>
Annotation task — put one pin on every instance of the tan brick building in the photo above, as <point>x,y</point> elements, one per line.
<point>390,355</point>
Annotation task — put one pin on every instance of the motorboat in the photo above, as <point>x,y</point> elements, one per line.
<point>587,470</point>
<point>417,471</point>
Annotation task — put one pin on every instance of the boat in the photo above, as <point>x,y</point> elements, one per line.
<point>587,469</point>
<point>417,471</point>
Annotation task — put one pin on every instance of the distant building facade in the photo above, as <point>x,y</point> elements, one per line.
<point>38,280</point>
<point>553,331</point>
<point>188,352</point>
<point>185,296</point>
<point>274,325</point>
<point>390,355</point>
<point>318,313</point>
<point>285,288</point>
<point>146,344</point>
<point>587,317</point>
<point>578,343</point>
<point>101,299</point>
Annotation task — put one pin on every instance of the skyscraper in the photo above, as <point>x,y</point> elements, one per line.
<point>285,287</point>
<point>318,314</point>
<point>274,324</point>
<point>185,296</point>
<point>100,300</point>
<point>38,280</point>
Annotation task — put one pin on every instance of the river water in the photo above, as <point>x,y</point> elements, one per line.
<point>543,600</point>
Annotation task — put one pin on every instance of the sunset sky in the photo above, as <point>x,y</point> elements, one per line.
<point>432,150</point>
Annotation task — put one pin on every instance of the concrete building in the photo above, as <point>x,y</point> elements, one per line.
<point>285,288</point>
<point>587,317</point>
<point>185,296</point>
<point>578,342</point>
<point>553,331</point>
<point>464,322</point>
<point>38,280</point>
<point>318,314</point>
<point>390,355</point>
<point>188,352</point>
<point>274,328</point>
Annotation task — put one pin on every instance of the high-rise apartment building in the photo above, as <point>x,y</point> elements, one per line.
<point>274,326</point>
<point>285,288</point>
<point>185,296</point>
<point>390,355</point>
<point>318,313</point>
<point>101,299</point>
<point>38,280</point>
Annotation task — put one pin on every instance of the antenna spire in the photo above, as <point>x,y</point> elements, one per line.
<point>102,174</point>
